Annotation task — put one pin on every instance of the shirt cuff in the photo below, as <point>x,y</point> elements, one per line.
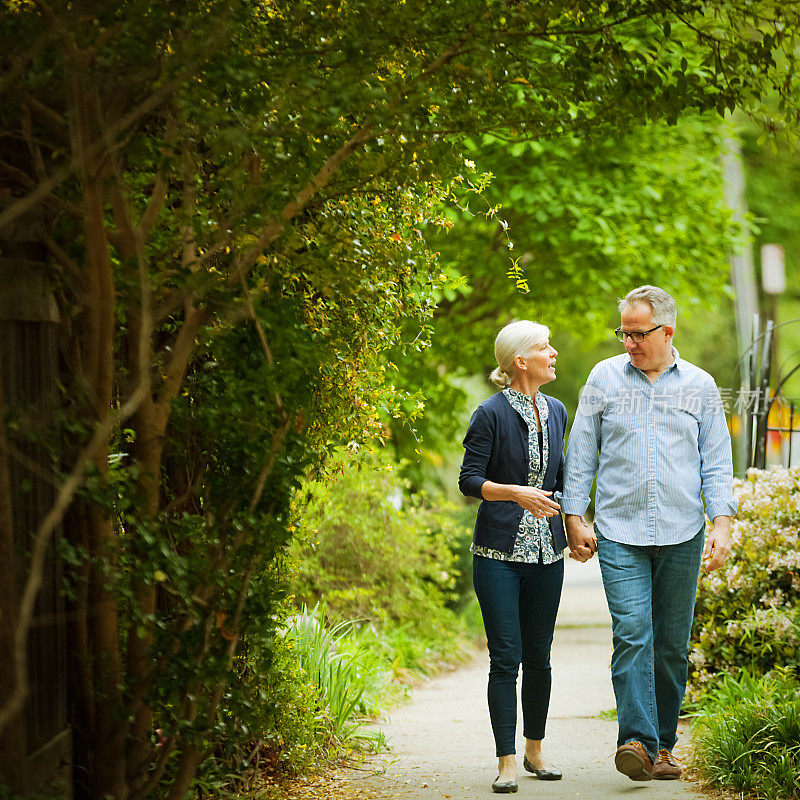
<point>571,505</point>
<point>722,508</point>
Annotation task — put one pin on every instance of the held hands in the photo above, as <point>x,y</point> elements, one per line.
<point>537,501</point>
<point>718,544</point>
<point>580,538</point>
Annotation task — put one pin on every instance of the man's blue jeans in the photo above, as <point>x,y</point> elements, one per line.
<point>519,603</point>
<point>651,593</point>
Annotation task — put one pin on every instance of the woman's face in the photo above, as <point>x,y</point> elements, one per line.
<point>541,363</point>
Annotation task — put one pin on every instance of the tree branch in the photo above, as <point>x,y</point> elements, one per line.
<point>264,343</point>
<point>93,151</point>
<point>277,441</point>
<point>54,120</point>
<point>9,80</point>
<point>160,185</point>
<point>272,231</point>
<point>28,182</point>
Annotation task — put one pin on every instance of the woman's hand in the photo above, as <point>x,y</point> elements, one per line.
<point>537,501</point>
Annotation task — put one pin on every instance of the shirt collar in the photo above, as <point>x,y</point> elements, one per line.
<point>677,362</point>
<point>521,396</point>
<point>522,403</point>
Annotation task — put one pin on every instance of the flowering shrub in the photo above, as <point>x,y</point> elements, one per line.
<point>748,612</point>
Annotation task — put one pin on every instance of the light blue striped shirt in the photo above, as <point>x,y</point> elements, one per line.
<point>655,447</point>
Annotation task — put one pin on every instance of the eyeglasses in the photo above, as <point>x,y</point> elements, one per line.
<point>637,336</point>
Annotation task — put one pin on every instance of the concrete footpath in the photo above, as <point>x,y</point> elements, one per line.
<point>441,740</point>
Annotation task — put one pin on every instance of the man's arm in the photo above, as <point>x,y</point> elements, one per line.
<point>716,476</point>
<point>580,468</point>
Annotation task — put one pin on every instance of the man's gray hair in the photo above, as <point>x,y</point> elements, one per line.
<point>663,305</point>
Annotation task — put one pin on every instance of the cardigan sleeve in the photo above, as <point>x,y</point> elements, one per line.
<point>562,424</point>
<point>477,452</point>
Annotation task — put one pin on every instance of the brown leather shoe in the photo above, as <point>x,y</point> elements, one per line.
<point>666,767</point>
<point>632,760</point>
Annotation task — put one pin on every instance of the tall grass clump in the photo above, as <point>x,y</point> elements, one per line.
<point>306,696</point>
<point>342,671</point>
<point>747,736</point>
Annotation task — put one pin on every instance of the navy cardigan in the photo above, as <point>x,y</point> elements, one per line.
<point>496,449</point>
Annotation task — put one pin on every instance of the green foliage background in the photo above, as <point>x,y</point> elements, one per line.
<point>560,231</point>
<point>372,552</point>
<point>773,196</point>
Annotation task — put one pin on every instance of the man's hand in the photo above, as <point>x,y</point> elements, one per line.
<point>718,544</point>
<point>537,501</point>
<point>580,538</point>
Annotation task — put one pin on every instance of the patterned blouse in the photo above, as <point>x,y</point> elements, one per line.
<point>534,536</point>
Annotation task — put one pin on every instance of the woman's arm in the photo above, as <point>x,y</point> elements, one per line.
<point>477,451</point>
<point>535,500</point>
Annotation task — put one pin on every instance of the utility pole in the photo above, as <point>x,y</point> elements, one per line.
<point>743,282</point>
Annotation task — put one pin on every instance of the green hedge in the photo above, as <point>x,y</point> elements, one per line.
<point>367,549</point>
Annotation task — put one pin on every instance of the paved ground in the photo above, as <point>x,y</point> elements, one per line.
<point>442,741</point>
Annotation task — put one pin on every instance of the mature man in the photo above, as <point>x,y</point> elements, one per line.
<point>651,426</point>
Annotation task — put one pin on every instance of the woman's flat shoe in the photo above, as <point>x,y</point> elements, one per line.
<point>504,787</point>
<point>542,774</point>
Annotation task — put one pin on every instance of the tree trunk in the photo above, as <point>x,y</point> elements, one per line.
<point>110,730</point>
<point>96,346</point>
<point>81,673</point>
<point>149,426</point>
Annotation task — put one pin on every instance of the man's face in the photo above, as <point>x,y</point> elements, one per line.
<point>655,350</point>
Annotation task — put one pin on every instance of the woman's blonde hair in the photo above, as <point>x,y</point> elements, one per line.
<point>516,339</point>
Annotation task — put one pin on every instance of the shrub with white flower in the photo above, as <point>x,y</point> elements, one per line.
<point>748,612</point>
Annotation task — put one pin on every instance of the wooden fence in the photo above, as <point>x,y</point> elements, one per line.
<point>29,331</point>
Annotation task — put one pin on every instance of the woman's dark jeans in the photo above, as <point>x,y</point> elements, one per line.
<point>519,603</point>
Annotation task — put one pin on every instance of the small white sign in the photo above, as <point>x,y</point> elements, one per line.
<point>773,275</point>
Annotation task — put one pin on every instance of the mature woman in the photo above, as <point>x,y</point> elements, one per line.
<point>514,463</point>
